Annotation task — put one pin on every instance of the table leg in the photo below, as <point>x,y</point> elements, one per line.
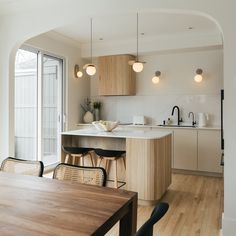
<point>128,223</point>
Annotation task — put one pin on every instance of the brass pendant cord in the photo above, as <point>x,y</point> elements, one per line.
<point>91,38</point>
<point>137,37</point>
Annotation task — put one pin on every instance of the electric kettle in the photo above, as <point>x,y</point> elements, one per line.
<point>202,119</point>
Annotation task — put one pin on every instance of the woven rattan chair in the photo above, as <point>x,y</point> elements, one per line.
<point>25,167</point>
<point>80,174</point>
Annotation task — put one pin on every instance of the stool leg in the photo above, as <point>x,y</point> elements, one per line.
<point>82,158</point>
<point>73,159</point>
<point>99,161</point>
<point>91,159</point>
<point>123,158</point>
<point>67,158</point>
<point>106,165</point>
<point>115,174</point>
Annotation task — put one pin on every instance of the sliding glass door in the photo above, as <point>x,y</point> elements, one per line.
<point>38,105</point>
<point>51,108</point>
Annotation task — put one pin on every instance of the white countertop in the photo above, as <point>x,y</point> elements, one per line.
<point>177,127</point>
<point>162,127</point>
<point>119,133</point>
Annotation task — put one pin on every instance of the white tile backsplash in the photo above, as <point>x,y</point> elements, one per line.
<point>158,108</point>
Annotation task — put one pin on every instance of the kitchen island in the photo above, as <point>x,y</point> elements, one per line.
<point>148,157</point>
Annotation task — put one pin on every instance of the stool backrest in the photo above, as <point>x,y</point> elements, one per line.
<point>20,166</point>
<point>80,174</point>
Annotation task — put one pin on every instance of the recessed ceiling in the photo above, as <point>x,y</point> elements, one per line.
<point>124,26</point>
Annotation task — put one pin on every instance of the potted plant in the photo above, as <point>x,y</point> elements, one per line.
<point>97,106</point>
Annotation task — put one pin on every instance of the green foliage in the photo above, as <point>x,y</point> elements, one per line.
<point>97,105</point>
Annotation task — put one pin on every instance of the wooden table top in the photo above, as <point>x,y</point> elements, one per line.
<point>40,206</point>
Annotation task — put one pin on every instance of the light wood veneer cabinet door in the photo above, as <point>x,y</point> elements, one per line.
<point>185,149</point>
<point>116,76</point>
<point>172,141</point>
<point>209,151</point>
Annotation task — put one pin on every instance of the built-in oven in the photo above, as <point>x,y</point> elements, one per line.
<point>222,127</point>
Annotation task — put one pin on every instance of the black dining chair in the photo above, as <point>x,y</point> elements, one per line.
<point>158,212</point>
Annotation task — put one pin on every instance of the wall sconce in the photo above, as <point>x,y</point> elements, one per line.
<point>78,72</point>
<point>156,78</point>
<point>198,77</point>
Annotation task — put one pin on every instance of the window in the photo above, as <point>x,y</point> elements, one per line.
<point>38,105</point>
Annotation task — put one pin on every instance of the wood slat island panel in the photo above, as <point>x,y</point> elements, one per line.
<point>148,157</point>
<point>149,167</point>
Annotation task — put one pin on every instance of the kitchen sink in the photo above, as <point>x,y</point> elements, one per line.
<point>191,126</point>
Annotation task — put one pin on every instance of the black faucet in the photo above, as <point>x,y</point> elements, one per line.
<point>193,121</point>
<point>172,113</point>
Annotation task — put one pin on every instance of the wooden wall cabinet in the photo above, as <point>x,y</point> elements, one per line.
<point>116,76</point>
<point>209,151</point>
<point>185,149</point>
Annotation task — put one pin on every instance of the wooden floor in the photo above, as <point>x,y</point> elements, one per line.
<point>196,204</point>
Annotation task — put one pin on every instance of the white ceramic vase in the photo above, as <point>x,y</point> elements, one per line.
<point>88,117</point>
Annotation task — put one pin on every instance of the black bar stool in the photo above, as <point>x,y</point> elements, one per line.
<point>110,156</point>
<point>78,152</point>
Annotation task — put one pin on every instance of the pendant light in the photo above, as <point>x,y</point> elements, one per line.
<point>136,64</point>
<point>90,68</point>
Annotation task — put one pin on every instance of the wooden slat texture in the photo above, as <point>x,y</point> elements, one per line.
<point>148,168</point>
<point>40,206</point>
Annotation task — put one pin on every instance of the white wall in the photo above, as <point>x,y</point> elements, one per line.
<point>76,89</point>
<point>176,87</point>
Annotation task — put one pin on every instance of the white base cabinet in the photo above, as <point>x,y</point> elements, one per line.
<point>209,152</point>
<point>196,149</point>
<point>185,149</point>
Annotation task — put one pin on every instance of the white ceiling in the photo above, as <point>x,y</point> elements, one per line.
<point>162,30</point>
<point>124,26</point>
<point>14,6</point>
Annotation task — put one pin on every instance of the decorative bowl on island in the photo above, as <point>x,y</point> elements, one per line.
<point>105,125</point>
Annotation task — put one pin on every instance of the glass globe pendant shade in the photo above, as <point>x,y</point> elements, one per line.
<point>155,79</point>
<point>138,66</point>
<point>79,74</point>
<point>91,70</point>
<point>198,78</point>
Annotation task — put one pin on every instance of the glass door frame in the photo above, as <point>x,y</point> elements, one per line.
<point>62,98</point>
<point>60,102</point>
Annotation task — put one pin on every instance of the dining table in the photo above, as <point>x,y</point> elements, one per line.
<point>33,206</point>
